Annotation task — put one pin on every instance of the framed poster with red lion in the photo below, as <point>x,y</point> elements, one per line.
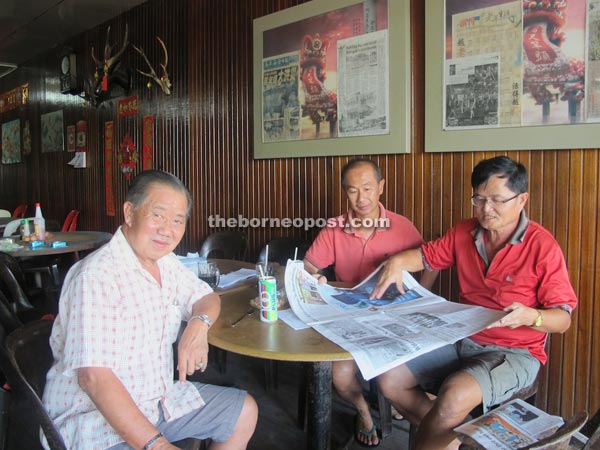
<point>512,74</point>
<point>332,78</point>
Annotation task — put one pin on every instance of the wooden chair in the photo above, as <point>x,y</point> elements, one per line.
<point>20,211</point>
<point>225,245</point>
<point>528,394</point>
<point>283,248</point>
<point>13,285</point>
<point>25,360</point>
<point>592,430</point>
<point>559,440</point>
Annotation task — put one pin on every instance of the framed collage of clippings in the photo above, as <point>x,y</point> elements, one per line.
<point>332,78</point>
<point>512,75</point>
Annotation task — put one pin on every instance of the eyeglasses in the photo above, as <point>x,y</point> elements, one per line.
<point>160,219</point>
<point>478,201</point>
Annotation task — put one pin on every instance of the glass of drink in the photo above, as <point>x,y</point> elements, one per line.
<point>209,273</point>
<point>264,270</point>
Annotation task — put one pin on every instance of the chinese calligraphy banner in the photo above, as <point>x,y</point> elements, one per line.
<point>109,129</point>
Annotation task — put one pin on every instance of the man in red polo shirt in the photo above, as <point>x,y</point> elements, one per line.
<point>356,243</point>
<point>503,261</point>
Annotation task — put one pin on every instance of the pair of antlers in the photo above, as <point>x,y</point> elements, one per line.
<point>110,60</point>
<point>163,81</point>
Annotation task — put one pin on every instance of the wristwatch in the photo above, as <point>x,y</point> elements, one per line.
<point>539,320</point>
<point>204,318</point>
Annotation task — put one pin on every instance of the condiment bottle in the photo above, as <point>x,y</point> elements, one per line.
<point>40,223</point>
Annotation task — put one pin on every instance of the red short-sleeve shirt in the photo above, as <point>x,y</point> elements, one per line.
<point>356,257</point>
<point>531,271</point>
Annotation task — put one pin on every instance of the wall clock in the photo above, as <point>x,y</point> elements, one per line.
<point>68,73</point>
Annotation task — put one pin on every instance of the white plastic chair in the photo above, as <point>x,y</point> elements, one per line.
<point>5,213</point>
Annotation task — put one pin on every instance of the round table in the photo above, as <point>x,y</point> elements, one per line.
<point>279,342</point>
<point>76,241</point>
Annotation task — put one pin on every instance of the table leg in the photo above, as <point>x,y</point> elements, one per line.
<point>319,406</point>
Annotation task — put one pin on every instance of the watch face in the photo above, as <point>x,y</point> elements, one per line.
<point>65,65</point>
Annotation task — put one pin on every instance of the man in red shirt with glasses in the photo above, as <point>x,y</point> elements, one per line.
<point>503,261</point>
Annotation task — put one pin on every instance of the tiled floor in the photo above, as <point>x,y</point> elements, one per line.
<point>277,425</point>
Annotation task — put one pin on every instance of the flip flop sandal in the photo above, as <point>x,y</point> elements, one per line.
<point>396,415</point>
<point>367,434</point>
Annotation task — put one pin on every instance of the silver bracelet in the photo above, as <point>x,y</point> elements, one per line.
<point>152,441</point>
<point>204,318</point>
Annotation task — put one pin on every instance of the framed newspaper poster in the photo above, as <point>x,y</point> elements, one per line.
<point>332,78</point>
<point>512,74</point>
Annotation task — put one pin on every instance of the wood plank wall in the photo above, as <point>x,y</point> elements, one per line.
<point>203,133</point>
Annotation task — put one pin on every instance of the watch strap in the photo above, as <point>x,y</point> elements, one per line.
<point>204,318</point>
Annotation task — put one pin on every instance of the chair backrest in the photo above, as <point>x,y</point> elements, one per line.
<point>25,360</point>
<point>70,223</point>
<point>20,211</point>
<point>8,318</point>
<point>12,283</point>
<point>560,438</point>
<point>282,248</point>
<point>5,213</point>
<point>225,245</point>
<point>592,431</point>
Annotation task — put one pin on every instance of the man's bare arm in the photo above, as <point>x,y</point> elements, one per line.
<point>314,271</point>
<point>118,408</point>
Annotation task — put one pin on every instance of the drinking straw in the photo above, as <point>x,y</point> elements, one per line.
<point>262,272</point>
<point>295,253</point>
<point>267,257</point>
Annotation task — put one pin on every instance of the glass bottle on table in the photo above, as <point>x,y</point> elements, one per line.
<point>40,223</point>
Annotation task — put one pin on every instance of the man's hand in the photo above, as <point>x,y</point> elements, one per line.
<point>392,273</point>
<point>518,315</point>
<point>322,279</point>
<point>163,444</point>
<point>192,349</point>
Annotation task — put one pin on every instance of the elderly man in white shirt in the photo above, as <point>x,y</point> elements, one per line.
<point>111,385</point>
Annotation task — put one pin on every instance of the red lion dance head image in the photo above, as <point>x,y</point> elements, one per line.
<point>320,104</point>
<point>545,64</point>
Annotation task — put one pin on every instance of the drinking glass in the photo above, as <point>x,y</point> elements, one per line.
<point>267,269</point>
<point>209,273</point>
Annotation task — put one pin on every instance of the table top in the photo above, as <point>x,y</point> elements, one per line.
<point>76,241</point>
<point>275,341</point>
<point>5,220</point>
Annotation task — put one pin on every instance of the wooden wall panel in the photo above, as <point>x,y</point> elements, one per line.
<point>203,134</point>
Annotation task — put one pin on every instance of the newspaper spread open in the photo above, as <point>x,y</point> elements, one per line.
<point>515,424</point>
<point>382,333</point>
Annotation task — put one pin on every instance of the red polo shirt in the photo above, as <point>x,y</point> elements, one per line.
<point>356,257</point>
<point>530,269</point>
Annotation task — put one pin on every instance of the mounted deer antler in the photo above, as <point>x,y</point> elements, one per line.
<point>109,61</point>
<point>163,81</point>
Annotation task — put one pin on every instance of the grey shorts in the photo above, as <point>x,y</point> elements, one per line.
<point>500,371</point>
<point>215,420</point>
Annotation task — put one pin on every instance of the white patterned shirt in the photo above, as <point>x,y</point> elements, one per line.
<point>114,314</point>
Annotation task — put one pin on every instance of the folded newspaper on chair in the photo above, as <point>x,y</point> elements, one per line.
<point>382,333</point>
<point>513,425</point>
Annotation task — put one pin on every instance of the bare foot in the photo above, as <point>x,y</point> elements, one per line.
<point>365,431</point>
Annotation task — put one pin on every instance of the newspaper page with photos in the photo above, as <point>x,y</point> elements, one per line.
<point>363,85</point>
<point>281,109</point>
<point>513,425</point>
<point>382,333</point>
